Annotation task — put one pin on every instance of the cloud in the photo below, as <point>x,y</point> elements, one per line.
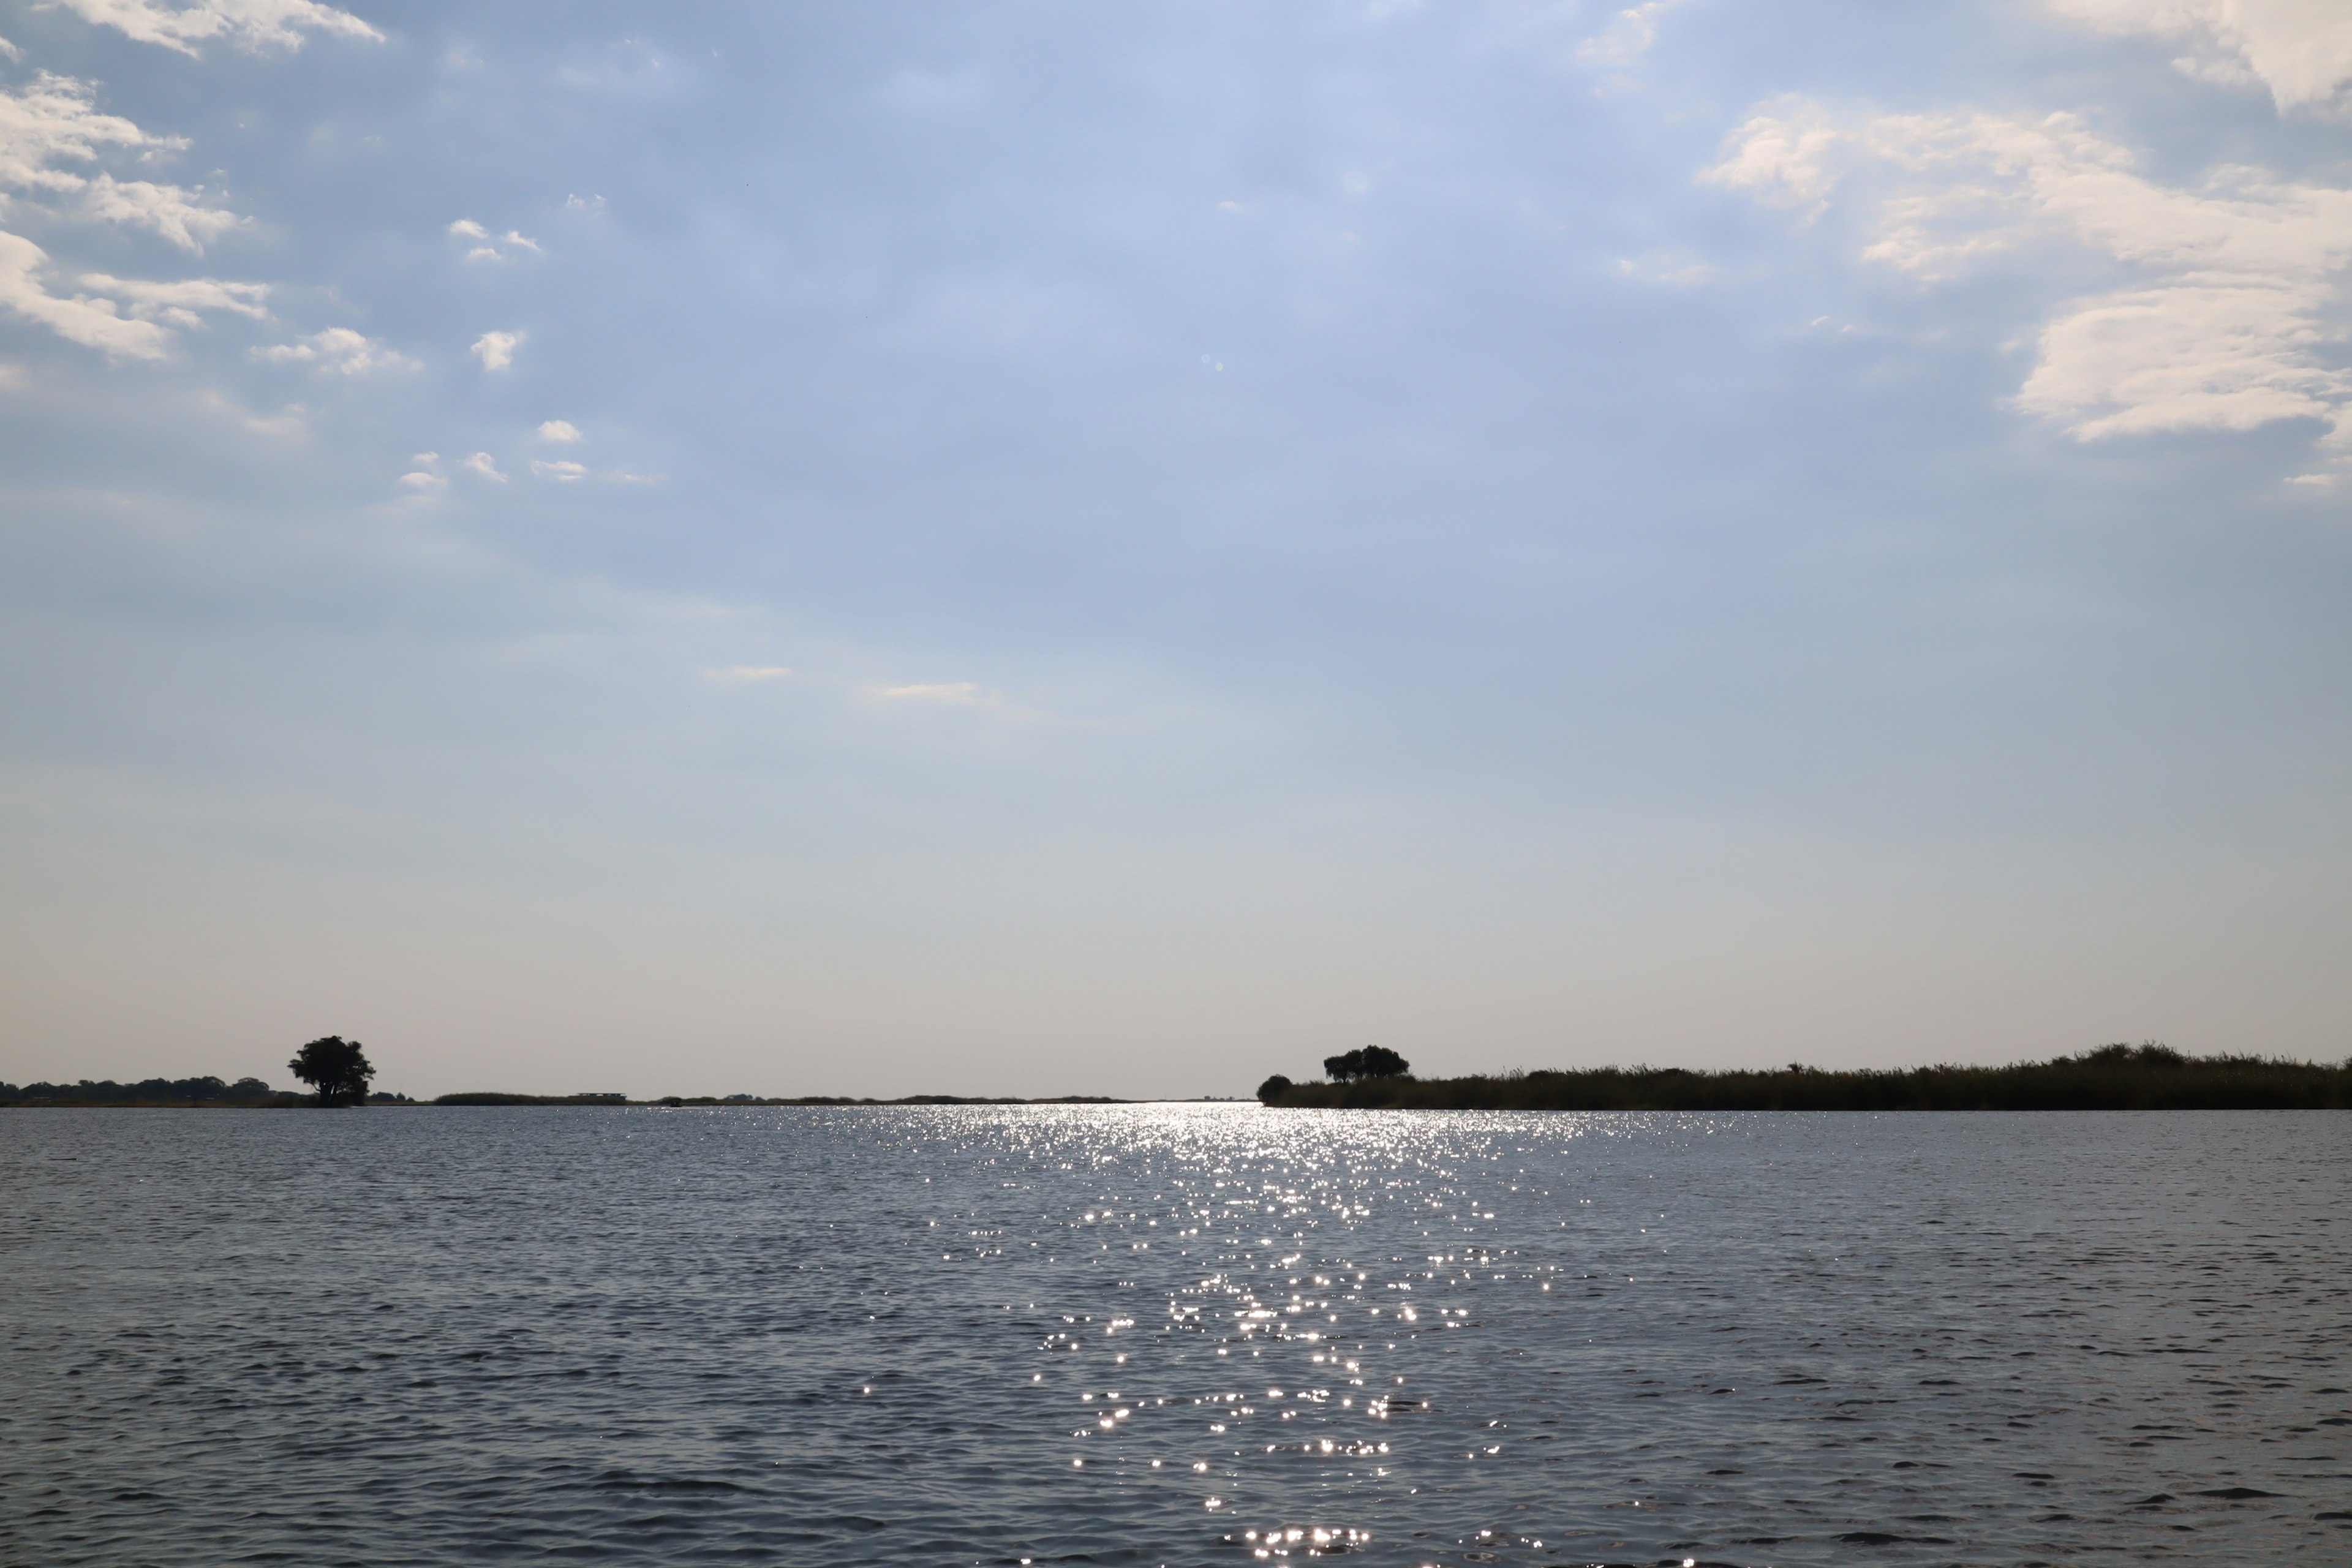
<point>494,246</point>
<point>584,203</point>
<point>2229,321</point>
<point>424,476</point>
<point>962,691</point>
<point>339,348</point>
<point>168,210</point>
<point>2301,50</point>
<point>559,430</point>
<point>496,350</point>
<point>249,24</point>
<point>93,323</point>
<point>179,303</point>
<point>565,472</point>
<point>748,672</point>
<point>54,120</point>
<point>1628,36</point>
<point>1669,270</point>
<point>482,463</point>
<point>1784,156</point>
<point>9,51</point>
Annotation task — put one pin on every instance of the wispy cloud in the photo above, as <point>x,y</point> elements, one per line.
<point>560,431</point>
<point>2300,50</point>
<point>496,350</point>
<point>249,24</point>
<point>558,469</point>
<point>338,348</point>
<point>748,672</point>
<point>2228,324</point>
<point>492,246</point>
<point>1669,270</point>
<point>54,120</point>
<point>93,323</point>
<point>1628,36</point>
<point>424,476</point>
<point>961,692</point>
<point>171,211</point>
<point>482,463</point>
<point>179,303</point>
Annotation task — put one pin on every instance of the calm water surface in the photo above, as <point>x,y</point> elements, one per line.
<point>1172,1334</point>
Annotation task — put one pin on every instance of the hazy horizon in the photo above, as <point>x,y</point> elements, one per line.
<point>1037,549</point>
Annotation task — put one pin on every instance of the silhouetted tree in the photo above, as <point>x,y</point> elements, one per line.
<point>1273,1088</point>
<point>336,1068</point>
<point>1368,1061</point>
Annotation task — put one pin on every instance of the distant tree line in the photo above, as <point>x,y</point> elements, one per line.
<point>106,1091</point>
<point>2148,1077</point>
<point>204,1090</point>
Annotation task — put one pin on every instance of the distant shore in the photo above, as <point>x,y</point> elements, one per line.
<point>67,1100</point>
<point>2115,1077</point>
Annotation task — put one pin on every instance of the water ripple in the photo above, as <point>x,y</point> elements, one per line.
<point>1171,1334</point>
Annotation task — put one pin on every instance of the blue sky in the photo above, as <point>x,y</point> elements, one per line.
<point>1068,548</point>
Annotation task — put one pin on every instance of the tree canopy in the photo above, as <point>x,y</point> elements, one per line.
<point>1367,1061</point>
<point>338,1069</point>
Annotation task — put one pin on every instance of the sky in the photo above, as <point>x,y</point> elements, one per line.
<point>1056,548</point>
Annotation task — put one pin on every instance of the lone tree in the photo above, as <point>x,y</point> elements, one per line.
<point>336,1068</point>
<point>1369,1061</point>
<point>1273,1088</point>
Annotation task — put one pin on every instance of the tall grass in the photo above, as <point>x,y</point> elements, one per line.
<point>2114,1077</point>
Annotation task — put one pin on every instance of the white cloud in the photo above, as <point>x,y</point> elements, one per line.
<point>496,350</point>
<point>339,348</point>
<point>748,672</point>
<point>937,692</point>
<point>94,324</point>
<point>1672,271</point>
<point>2229,321</point>
<point>1628,36</point>
<point>178,302</point>
<point>584,203</point>
<point>1783,156</point>
<point>482,463</point>
<point>566,472</point>
<point>422,481</point>
<point>562,431</point>
<point>2299,49</point>
<point>168,210</point>
<point>9,51</point>
<point>249,24</point>
<point>54,120</point>
<point>494,246</point>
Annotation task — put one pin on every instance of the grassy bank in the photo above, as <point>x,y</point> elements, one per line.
<point>2114,1077</point>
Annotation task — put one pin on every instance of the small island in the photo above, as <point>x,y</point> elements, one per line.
<point>2120,1076</point>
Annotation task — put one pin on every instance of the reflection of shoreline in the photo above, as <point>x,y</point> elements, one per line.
<point>2113,1079</point>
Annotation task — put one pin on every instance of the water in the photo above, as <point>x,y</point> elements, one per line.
<point>1172,1334</point>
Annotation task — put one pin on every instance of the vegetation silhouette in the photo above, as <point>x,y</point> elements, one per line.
<point>675,1100</point>
<point>2149,1077</point>
<point>336,1068</point>
<point>1365,1062</point>
<point>205,1090</point>
<point>1273,1088</point>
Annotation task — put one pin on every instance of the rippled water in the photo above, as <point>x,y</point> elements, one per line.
<point>1172,1334</point>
